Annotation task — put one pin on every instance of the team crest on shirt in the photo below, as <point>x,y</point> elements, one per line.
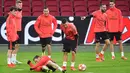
<point>90,38</point>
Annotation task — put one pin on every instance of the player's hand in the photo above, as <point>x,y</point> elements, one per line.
<point>28,61</point>
<point>83,17</point>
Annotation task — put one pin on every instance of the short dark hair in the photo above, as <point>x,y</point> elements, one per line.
<point>13,8</point>
<point>45,7</point>
<point>18,1</point>
<point>64,20</point>
<point>102,4</point>
<point>35,57</point>
<point>112,1</point>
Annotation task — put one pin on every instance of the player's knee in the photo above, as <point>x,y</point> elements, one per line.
<point>73,52</point>
<point>107,42</point>
<point>97,44</point>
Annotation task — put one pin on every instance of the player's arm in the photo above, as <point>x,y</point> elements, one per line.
<point>84,17</point>
<point>75,31</point>
<point>19,15</point>
<point>8,27</point>
<point>36,26</point>
<point>62,32</point>
<point>89,16</point>
<point>40,63</point>
<point>55,24</point>
<point>120,21</point>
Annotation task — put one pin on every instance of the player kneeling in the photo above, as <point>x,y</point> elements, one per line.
<point>44,64</point>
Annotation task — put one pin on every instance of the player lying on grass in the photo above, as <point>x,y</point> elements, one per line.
<point>44,64</point>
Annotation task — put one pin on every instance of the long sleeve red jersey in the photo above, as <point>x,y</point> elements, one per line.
<point>43,25</point>
<point>18,20</point>
<point>70,31</point>
<point>100,20</point>
<point>115,20</point>
<point>11,28</point>
<point>43,61</point>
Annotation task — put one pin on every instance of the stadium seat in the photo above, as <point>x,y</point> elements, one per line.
<point>66,8</point>
<point>93,3</point>
<point>26,2</point>
<point>37,13</point>
<point>80,8</point>
<point>51,3</point>
<point>1,11</point>
<point>37,3</point>
<point>67,13</point>
<point>53,8</point>
<point>122,2</point>
<point>93,8</point>
<point>80,3</point>
<point>81,13</point>
<point>123,8</point>
<point>65,3</point>
<point>26,10</point>
<point>36,10</point>
<point>37,7</point>
<point>79,0</point>
<point>65,0</point>
<point>106,2</point>
<point>26,13</point>
<point>54,13</point>
<point>125,13</point>
<point>6,11</point>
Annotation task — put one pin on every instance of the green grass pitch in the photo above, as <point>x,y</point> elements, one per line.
<point>85,55</point>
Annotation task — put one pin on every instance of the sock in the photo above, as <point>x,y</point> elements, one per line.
<point>49,56</point>
<point>122,54</point>
<point>8,60</point>
<point>59,68</point>
<point>64,64</point>
<point>102,52</point>
<point>97,56</point>
<point>43,53</point>
<point>72,64</point>
<point>14,57</point>
<point>112,53</point>
<point>45,67</point>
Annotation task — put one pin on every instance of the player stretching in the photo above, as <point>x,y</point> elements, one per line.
<point>43,27</point>
<point>43,62</point>
<point>12,36</point>
<point>69,42</point>
<point>100,21</point>
<point>18,25</point>
<point>115,23</point>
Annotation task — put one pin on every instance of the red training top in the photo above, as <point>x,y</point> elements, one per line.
<point>11,28</point>
<point>43,25</point>
<point>70,31</point>
<point>100,21</point>
<point>115,20</point>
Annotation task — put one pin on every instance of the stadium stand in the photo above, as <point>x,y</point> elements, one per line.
<point>7,5</point>
<point>1,8</point>
<point>63,7</point>
<point>37,7</point>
